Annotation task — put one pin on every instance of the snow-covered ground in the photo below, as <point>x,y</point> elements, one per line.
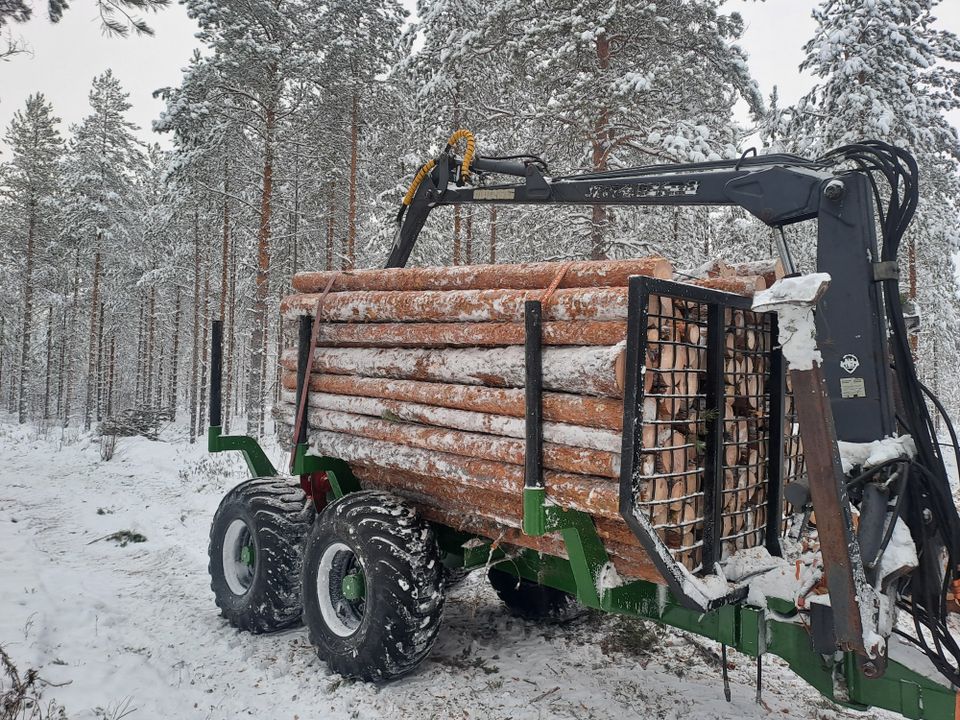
<point>131,631</point>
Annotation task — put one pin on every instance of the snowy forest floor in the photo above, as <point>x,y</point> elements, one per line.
<point>131,631</point>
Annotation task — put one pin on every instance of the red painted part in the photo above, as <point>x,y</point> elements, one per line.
<point>316,486</point>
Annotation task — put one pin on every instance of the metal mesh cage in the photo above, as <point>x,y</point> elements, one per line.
<point>709,443</point>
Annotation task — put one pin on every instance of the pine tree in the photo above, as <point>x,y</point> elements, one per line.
<point>103,199</point>
<point>30,180</point>
<point>365,36</point>
<point>115,15</point>
<point>885,72</point>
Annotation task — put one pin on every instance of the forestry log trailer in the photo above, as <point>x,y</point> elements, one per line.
<point>363,568</point>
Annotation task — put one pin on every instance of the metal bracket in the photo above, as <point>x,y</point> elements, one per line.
<point>886,270</point>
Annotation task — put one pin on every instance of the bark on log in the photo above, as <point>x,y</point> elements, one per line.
<point>594,303</point>
<point>579,370</point>
<point>523,276</point>
<point>564,458</point>
<point>746,285</point>
<point>438,335</point>
<point>594,412</point>
<point>596,496</point>
<point>485,423</point>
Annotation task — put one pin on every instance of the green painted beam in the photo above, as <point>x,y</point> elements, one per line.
<point>257,461</point>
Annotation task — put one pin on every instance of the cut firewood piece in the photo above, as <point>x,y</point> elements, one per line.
<point>493,334</point>
<point>596,412</point>
<point>522,276</point>
<point>660,507</point>
<point>592,495</point>
<point>484,423</point>
<point>475,306</point>
<point>563,458</point>
<point>673,453</point>
<point>579,370</point>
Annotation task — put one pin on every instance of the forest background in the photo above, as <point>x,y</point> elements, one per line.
<point>290,137</point>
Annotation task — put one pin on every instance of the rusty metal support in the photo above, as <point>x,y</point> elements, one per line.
<point>842,564</point>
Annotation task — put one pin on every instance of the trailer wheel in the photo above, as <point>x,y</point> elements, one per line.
<point>533,601</point>
<point>255,550</point>
<point>372,586</point>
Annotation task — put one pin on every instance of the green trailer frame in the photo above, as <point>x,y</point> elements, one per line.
<point>752,631</point>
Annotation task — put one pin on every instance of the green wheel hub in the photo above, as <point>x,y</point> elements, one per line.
<point>247,556</point>
<point>353,586</point>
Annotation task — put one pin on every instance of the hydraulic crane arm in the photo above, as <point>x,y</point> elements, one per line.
<point>869,383</point>
<point>778,189</point>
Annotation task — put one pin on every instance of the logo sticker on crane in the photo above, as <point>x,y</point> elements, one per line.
<point>849,363</point>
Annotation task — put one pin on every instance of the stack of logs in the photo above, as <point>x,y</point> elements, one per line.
<point>417,382</point>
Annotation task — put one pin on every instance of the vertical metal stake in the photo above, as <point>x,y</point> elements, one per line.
<point>533,357</point>
<point>713,451</point>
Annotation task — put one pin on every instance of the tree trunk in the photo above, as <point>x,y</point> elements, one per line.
<point>228,393</point>
<point>49,364</point>
<point>225,257</point>
<point>151,346</point>
<point>138,387</point>
<point>195,352</point>
<point>203,351</point>
<point>92,354</point>
<point>255,384</point>
<point>457,260</point>
<point>352,207</point>
<point>601,146</point>
<point>173,399</point>
<point>493,235</point>
<point>469,248</point>
<point>100,378</point>
<point>27,313</point>
<point>330,231</point>
<point>111,374</point>
<point>62,344</point>
<point>74,309</point>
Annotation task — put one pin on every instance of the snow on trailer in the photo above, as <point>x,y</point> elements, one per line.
<point>598,434</point>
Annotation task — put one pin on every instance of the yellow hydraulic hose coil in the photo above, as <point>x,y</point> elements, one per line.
<point>459,135</point>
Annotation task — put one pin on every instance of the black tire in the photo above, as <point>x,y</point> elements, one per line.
<point>532,601</point>
<point>266,519</point>
<point>388,631</point>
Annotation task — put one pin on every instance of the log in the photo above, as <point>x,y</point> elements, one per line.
<point>485,423</point>
<point>436,335</point>
<point>595,412</point>
<point>564,458</point>
<point>746,285</point>
<point>457,305</point>
<point>522,276</point>
<point>578,370</point>
<point>592,495</point>
<point>770,270</point>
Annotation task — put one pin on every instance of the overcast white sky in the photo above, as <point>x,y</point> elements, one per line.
<point>68,55</point>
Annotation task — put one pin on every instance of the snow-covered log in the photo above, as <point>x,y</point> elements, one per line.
<point>521,276</point>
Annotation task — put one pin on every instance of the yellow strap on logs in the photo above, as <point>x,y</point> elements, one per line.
<point>461,134</point>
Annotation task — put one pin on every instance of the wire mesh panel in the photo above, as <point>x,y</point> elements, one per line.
<point>669,483</point>
<point>746,426</point>
<point>705,442</point>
